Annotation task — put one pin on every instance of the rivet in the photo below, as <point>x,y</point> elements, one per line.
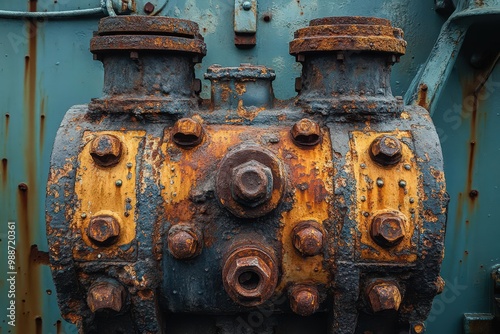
<point>118,183</point>
<point>363,198</point>
<point>380,182</point>
<point>129,165</point>
<point>412,200</point>
<point>83,215</point>
<point>363,166</point>
<point>402,183</point>
<point>247,5</point>
<point>126,214</point>
<point>366,214</point>
<point>407,167</point>
<point>412,210</point>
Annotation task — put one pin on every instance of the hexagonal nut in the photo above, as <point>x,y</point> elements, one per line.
<point>187,132</point>
<point>106,150</point>
<point>249,276</point>
<point>386,150</point>
<point>387,229</point>
<point>307,238</point>
<point>103,230</point>
<point>304,300</point>
<point>384,296</point>
<point>251,183</point>
<point>306,132</point>
<point>106,295</point>
<point>184,241</point>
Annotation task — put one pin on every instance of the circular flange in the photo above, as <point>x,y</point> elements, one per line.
<point>148,25</point>
<point>137,33</point>
<point>224,181</point>
<point>349,34</point>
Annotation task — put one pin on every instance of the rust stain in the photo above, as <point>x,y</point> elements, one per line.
<point>28,275</point>
<point>42,123</point>
<point>4,171</point>
<point>38,257</point>
<point>422,96</point>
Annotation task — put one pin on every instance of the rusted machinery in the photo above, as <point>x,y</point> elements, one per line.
<point>171,214</point>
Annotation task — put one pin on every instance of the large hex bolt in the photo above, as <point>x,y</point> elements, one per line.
<point>184,241</point>
<point>250,276</point>
<point>386,150</point>
<point>306,132</point>
<point>384,296</point>
<point>304,299</point>
<point>106,150</point>
<point>103,230</point>
<point>307,238</point>
<point>387,229</point>
<point>187,132</point>
<point>251,183</point>
<point>106,295</point>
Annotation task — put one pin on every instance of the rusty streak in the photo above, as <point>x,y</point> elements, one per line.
<point>29,280</point>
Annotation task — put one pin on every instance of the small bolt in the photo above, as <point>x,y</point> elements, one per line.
<point>184,241</point>
<point>251,183</point>
<point>83,215</point>
<point>380,182</point>
<point>386,150</point>
<point>387,229</point>
<point>118,183</point>
<point>384,296</point>
<point>363,166</point>
<point>304,300</point>
<point>106,295</point>
<point>267,17</point>
<point>129,165</point>
<point>363,198</point>
<point>307,238</point>
<point>103,230</point>
<point>306,132</point>
<point>407,167</point>
<point>412,200</point>
<point>187,132</point>
<point>22,186</point>
<point>149,8</point>
<point>106,150</point>
<point>402,183</point>
<point>473,193</point>
<point>366,214</point>
<point>247,5</point>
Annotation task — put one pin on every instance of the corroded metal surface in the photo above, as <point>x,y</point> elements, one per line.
<point>332,203</point>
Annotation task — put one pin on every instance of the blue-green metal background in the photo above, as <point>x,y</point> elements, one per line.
<point>45,70</point>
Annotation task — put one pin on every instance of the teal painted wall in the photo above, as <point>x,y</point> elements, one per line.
<point>45,70</point>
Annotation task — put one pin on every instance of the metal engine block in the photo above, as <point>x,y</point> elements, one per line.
<point>167,213</point>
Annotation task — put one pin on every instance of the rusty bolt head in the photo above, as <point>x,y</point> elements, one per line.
<point>384,296</point>
<point>103,230</point>
<point>304,300</point>
<point>307,238</point>
<point>187,132</point>
<point>149,8</point>
<point>387,229</point>
<point>306,132</point>
<point>106,150</point>
<point>250,276</point>
<point>106,295</point>
<point>386,150</point>
<point>251,183</point>
<point>184,241</point>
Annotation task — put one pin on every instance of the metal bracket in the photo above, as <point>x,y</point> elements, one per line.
<point>245,23</point>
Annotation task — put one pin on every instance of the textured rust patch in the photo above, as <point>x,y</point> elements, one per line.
<point>422,96</point>
<point>38,257</point>
<point>4,171</point>
<point>386,190</point>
